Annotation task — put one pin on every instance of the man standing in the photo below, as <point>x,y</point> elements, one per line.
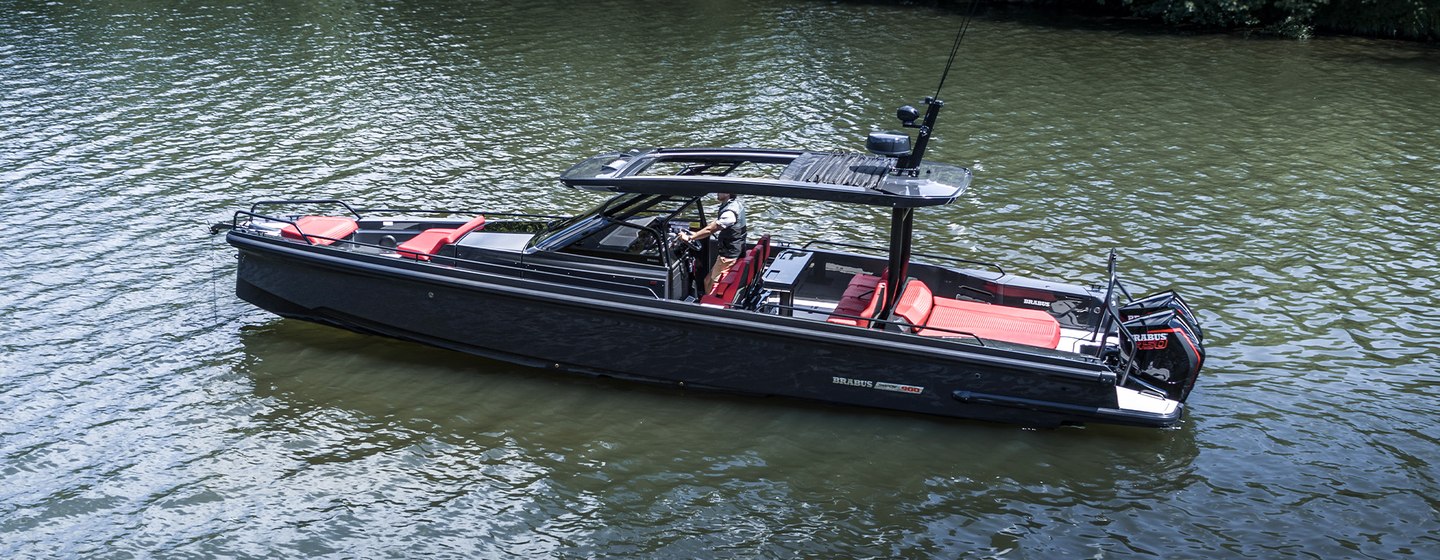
<point>729,231</point>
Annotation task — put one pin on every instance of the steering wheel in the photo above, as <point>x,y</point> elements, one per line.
<point>689,244</point>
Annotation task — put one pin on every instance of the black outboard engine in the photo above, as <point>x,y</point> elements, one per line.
<point>1169,347</point>
<point>1158,302</point>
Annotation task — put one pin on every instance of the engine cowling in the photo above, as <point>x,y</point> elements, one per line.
<point>1161,301</point>
<point>1169,349</point>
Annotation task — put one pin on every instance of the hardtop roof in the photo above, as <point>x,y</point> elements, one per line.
<point>832,176</point>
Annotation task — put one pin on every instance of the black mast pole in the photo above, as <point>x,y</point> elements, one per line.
<point>902,223</point>
<point>902,220</point>
<point>911,163</point>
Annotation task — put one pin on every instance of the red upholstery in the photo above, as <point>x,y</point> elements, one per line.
<point>915,303</point>
<point>995,322</point>
<point>761,253</point>
<point>422,246</point>
<point>858,301</point>
<point>744,273</point>
<point>919,307</point>
<point>724,291</point>
<point>320,230</point>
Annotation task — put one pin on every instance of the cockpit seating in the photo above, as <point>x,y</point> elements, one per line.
<point>735,284</point>
<point>428,242</point>
<point>858,302</point>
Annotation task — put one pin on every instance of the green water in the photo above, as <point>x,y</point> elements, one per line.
<point>1286,188</point>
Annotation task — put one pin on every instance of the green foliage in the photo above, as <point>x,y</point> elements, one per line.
<point>1403,19</point>
<point>1291,18</point>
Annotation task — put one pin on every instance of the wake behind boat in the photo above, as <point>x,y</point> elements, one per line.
<point>617,292</point>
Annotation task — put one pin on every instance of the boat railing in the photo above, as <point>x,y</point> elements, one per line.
<point>454,262</point>
<point>459,263</point>
<point>307,237</point>
<point>255,206</point>
<point>360,212</point>
<point>1127,344</point>
<point>904,327</point>
<point>873,250</point>
<point>470,212</point>
<point>884,252</point>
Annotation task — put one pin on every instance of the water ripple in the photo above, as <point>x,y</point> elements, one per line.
<point>1283,187</point>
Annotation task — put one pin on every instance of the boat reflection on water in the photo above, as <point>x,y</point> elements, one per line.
<point>348,397</point>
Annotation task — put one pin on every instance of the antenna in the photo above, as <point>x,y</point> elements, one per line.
<point>955,48</point>
<point>909,164</point>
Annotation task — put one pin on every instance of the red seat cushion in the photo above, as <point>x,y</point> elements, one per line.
<point>761,252</point>
<point>915,303</point>
<point>743,273</point>
<point>994,322</point>
<point>426,244</point>
<point>724,291</point>
<point>858,302</point>
<point>320,230</point>
<point>431,240</point>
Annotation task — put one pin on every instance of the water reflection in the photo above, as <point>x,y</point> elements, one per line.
<point>1282,186</point>
<point>700,470</point>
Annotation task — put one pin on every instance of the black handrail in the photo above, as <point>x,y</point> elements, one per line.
<point>1126,361</point>
<point>235,224</point>
<point>259,203</point>
<point>455,260</point>
<point>838,244</point>
<point>885,322</point>
<point>522,270</point>
<point>926,255</point>
<point>358,213</point>
<point>487,214</point>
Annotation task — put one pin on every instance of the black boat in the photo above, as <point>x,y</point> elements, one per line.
<point>615,292</point>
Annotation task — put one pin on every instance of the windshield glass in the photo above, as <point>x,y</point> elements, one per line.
<point>631,227</point>
<point>556,228</point>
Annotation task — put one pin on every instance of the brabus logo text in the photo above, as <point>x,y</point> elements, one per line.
<point>852,382</point>
<point>1037,303</point>
<point>1152,341</point>
<point>880,385</point>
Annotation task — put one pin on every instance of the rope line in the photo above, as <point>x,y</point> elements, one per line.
<point>955,48</point>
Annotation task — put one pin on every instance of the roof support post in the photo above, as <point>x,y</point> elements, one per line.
<point>902,225</point>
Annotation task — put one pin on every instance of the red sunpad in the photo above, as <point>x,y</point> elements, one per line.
<point>320,230</point>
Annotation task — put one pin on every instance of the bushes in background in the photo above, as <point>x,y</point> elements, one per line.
<point>1401,19</point>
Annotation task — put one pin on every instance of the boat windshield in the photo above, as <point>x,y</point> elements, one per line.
<point>627,227</point>
<point>557,228</point>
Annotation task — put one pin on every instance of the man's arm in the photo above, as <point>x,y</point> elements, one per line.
<point>702,233</point>
<point>724,220</point>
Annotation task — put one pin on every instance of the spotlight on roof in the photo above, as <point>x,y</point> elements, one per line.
<point>908,115</point>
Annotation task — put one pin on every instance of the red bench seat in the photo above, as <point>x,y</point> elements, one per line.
<point>926,313</point>
<point>320,230</point>
<point>428,242</point>
<point>858,302</point>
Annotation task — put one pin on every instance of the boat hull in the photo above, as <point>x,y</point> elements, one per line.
<point>556,327</point>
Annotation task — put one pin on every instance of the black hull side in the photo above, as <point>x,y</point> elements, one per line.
<point>593,333</point>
